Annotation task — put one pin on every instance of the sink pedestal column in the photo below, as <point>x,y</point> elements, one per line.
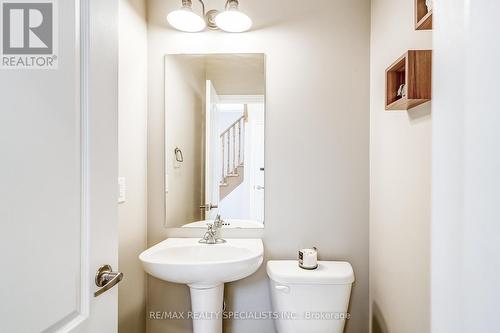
<point>206,307</point>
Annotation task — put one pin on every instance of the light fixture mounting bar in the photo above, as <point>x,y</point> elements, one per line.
<point>229,20</point>
<point>210,19</point>
<point>202,6</point>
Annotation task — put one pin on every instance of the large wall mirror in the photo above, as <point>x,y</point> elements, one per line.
<point>214,140</point>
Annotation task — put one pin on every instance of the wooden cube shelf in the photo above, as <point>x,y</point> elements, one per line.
<point>414,69</point>
<point>423,17</point>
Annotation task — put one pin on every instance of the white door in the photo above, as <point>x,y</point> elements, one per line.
<point>213,151</point>
<point>465,249</point>
<point>257,200</point>
<point>58,175</point>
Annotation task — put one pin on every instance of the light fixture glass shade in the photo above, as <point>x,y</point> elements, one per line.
<point>186,20</point>
<point>232,20</point>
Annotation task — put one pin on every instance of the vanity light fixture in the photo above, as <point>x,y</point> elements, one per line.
<point>230,20</point>
<point>184,19</point>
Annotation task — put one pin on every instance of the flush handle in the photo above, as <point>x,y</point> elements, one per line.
<point>106,279</point>
<point>283,289</point>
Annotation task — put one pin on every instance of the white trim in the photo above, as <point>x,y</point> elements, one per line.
<point>166,158</point>
<point>84,43</point>
<point>82,51</point>
<point>241,99</point>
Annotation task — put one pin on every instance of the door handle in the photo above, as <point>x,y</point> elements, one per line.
<point>258,187</point>
<point>208,207</point>
<point>106,279</point>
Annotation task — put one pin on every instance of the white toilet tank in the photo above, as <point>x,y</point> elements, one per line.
<point>310,301</point>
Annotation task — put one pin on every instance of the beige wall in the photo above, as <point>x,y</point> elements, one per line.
<point>184,110</point>
<point>400,183</point>
<point>242,74</point>
<point>132,163</point>
<point>317,135</point>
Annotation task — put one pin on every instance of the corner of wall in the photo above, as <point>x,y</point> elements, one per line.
<point>132,213</point>
<point>400,182</point>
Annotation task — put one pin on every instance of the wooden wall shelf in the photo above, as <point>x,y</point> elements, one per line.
<point>423,17</point>
<point>414,69</point>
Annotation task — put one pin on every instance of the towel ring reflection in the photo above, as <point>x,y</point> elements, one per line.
<point>178,155</point>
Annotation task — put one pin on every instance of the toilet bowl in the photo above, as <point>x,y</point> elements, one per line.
<point>310,301</point>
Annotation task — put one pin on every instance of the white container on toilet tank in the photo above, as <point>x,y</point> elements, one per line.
<point>310,301</point>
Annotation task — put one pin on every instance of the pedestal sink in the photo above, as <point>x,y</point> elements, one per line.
<point>204,268</point>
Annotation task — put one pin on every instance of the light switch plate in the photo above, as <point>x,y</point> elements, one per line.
<point>122,189</point>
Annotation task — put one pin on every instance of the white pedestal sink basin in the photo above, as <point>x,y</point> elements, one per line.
<point>204,268</point>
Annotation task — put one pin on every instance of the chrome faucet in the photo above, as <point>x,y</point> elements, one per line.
<point>212,236</point>
<point>218,223</point>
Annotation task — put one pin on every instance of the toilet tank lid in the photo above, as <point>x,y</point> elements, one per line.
<point>328,272</point>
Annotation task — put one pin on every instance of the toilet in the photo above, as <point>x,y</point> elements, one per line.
<point>310,301</point>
